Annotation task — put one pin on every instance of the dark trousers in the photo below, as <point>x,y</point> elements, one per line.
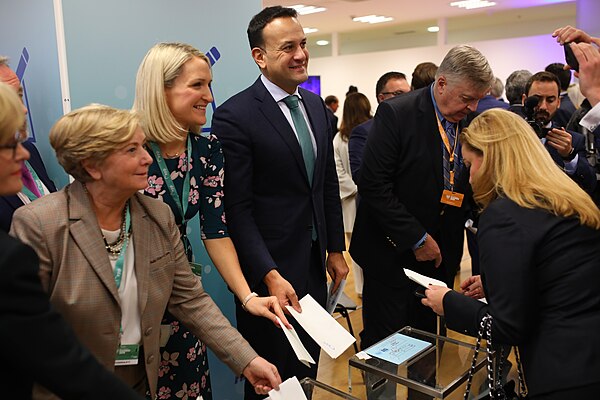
<point>270,342</point>
<point>583,392</point>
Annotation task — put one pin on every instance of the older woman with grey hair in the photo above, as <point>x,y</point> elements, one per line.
<point>111,259</point>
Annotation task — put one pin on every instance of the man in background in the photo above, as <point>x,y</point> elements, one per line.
<point>36,181</point>
<point>515,89</point>
<point>389,85</point>
<point>567,108</point>
<point>567,148</point>
<point>332,103</point>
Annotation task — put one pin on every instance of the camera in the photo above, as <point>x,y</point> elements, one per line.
<point>529,110</point>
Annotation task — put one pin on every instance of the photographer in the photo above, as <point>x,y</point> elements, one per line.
<point>567,149</point>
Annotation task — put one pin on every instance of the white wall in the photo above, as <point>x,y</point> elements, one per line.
<point>363,70</point>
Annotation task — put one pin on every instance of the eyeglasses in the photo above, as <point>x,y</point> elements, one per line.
<point>396,93</point>
<point>19,138</point>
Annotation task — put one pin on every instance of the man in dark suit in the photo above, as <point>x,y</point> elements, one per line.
<point>35,177</point>
<point>282,196</point>
<point>567,148</point>
<point>332,104</point>
<point>413,189</point>
<point>390,84</point>
<point>515,88</point>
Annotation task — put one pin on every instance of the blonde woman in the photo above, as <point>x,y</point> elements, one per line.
<point>173,91</point>
<point>539,244</point>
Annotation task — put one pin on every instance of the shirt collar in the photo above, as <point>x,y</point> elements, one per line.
<point>276,92</point>
<point>437,110</point>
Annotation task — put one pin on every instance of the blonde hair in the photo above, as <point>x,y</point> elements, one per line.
<point>92,132</point>
<point>11,113</point>
<point>159,69</point>
<point>517,166</point>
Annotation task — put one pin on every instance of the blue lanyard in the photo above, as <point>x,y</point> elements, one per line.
<point>182,206</point>
<point>32,196</point>
<point>118,272</point>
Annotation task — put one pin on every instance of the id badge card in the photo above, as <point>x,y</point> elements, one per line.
<point>127,354</point>
<point>451,198</point>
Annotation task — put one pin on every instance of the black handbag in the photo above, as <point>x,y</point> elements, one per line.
<point>497,390</point>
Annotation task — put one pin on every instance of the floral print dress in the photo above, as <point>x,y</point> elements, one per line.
<point>183,371</point>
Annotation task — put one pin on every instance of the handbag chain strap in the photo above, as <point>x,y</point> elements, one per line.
<point>485,328</point>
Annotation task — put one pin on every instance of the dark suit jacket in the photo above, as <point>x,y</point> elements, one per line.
<point>356,147</point>
<point>540,274</point>
<point>585,176</point>
<point>269,202</point>
<point>333,120</point>
<point>401,184</point>
<point>39,345</point>
<point>564,112</point>
<point>490,101</point>
<point>8,204</point>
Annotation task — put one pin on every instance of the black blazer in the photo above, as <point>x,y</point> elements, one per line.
<point>401,184</point>
<point>39,346</point>
<point>540,273</point>
<point>269,203</point>
<point>8,204</point>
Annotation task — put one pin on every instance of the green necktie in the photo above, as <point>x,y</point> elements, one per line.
<point>308,153</point>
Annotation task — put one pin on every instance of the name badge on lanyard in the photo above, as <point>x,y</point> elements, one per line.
<point>127,354</point>
<point>450,197</point>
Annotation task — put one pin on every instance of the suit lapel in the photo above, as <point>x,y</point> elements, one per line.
<point>432,135</point>
<point>141,229</point>
<point>270,109</point>
<point>86,234</point>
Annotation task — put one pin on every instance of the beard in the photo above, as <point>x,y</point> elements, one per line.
<point>542,116</point>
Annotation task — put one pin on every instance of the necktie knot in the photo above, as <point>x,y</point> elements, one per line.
<point>291,101</point>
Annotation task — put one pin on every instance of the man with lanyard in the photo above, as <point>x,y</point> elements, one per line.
<point>414,190</point>
<point>36,182</point>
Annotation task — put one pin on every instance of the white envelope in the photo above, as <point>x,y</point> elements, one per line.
<point>322,327</point>
<point>288,390</point>
<point>301,352</point>
<point>422,279</point>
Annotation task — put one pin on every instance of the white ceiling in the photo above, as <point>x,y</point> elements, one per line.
<point>339,14</point>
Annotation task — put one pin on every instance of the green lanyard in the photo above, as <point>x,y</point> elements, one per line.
<point>182,206</point>
<point>118,272</point>
<point>30,195</point>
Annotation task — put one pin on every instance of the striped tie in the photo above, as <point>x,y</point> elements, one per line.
<point>449,128</point>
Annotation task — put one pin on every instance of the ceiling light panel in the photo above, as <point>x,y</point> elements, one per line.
<point>433,29</point>
<point>305,10</point>
<point>310,30</point>
<point>471,4</point>
<point>322,42</point>
<point>372,19</point>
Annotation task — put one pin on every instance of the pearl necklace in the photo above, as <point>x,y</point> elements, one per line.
<point>116,247</point>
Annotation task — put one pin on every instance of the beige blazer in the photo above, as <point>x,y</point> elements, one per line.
<point>75,269</point>
<point>348,189</point>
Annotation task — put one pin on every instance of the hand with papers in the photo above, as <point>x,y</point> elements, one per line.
<point>435,290</point>
<point>322,327</point>
<point>262,375</point>
<point>337,269</point>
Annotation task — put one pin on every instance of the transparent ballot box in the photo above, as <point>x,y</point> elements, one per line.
<point>315,390</point>
<point>427,365</point>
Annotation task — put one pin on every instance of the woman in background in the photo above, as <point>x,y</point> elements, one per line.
<point>172,92</point>
<point>539,244</point>
<point>357,110</point>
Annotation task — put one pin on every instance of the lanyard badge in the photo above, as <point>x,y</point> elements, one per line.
<point>449,196</point>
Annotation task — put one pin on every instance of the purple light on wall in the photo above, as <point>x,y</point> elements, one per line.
<point>313,83</point>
